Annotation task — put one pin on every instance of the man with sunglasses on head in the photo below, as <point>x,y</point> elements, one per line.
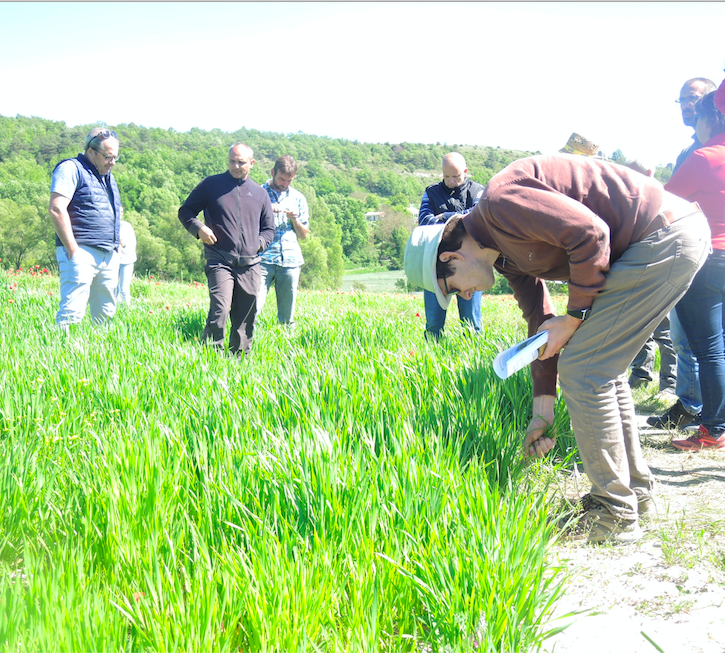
<point>85,208</point>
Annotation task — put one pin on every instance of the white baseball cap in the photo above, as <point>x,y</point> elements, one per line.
<point>421,256</point>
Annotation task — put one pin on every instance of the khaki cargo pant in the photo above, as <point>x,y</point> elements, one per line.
<point>641,289</point>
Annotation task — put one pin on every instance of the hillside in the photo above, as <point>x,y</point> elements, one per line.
<point>157,169</point>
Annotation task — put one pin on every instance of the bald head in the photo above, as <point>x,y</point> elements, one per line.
<point>454,170</point>
<point>241,160</point>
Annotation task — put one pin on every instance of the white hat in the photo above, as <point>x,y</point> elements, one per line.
<point>421,255</point>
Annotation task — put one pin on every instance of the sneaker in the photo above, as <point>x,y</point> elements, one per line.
<point>645,504</point>
<point>637,382</point>
<point>676,417</point>
<point>701,440</point>
<point>598,526</point>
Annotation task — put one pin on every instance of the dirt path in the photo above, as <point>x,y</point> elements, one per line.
<point>671,584</point>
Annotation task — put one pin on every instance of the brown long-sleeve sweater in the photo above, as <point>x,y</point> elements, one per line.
<point>561,217</point>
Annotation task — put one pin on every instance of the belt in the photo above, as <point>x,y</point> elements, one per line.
<point>666,218</point>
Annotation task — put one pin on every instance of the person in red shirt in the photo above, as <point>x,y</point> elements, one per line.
<point>701,179</point>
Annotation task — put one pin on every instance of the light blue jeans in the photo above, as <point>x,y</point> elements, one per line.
<point>285,282</point>
<point>688,369</point>
<point>88,279</point>
<point>125,274</point>
<point>469,311</point>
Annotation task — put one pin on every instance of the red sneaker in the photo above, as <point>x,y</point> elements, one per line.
<point>701,440</point>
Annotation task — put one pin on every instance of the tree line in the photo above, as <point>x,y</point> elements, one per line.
<point>158,168</point>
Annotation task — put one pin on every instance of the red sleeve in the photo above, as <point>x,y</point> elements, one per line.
<point>686,181</point>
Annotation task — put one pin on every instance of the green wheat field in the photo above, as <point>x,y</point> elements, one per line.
<point>348,487</point>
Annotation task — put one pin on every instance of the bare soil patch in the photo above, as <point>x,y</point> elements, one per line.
<point>666,592</point>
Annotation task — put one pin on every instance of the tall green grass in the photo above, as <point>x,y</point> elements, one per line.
<point>348,487</point>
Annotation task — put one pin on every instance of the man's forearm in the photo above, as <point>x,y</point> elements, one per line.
<point>63,229</point>
<point>543,406</point>
<point>300,230</point>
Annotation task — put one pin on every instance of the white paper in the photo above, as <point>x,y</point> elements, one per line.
<point>514,358</point>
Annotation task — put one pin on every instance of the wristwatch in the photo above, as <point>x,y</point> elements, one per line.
<point>580,315</point>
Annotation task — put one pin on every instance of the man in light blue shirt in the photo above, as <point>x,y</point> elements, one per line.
<point>85,208</point>
<point>282,261</point>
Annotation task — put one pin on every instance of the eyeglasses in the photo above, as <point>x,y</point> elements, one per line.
<point>108,159</point>
<point>448,292</point>
<point>690,99</point>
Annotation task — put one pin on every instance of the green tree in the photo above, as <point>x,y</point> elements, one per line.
<point>322,249</point>
<point>618,157</point>
<point>350,215</point>
<point>25,235</point>
<point>391,234</point>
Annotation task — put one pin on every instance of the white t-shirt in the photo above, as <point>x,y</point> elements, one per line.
<point>127,251</point>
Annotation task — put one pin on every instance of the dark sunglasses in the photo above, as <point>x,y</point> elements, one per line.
<point>103,135</point>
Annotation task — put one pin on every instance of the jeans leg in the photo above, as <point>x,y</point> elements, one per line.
<point>76,276</point>
<point>643,364</point>
<point>668,359</point>
<point>688,369</point>
<point>125,274</point>
<point>435,316</point>
<point>267,270</point>
<point>286,286</point>
<point>102,298</point>
<point>470,310</point>
<point>700,312</point>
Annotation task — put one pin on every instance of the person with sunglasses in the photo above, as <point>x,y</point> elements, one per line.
<point>85,208</point>
<point>701,179</point>
<point>686,412</point>
<point>628,250</point>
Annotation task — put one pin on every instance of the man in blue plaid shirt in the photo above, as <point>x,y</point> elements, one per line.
<point>282,261</point>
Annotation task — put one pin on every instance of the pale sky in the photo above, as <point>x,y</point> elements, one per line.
<point>516,75</point>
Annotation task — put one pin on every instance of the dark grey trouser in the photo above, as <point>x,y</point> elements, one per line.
<point>232,294</point>
<point>643,365</point>
<point>641,288</point>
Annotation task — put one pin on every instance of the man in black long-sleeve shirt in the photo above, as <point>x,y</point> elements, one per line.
<point>238,225</point>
